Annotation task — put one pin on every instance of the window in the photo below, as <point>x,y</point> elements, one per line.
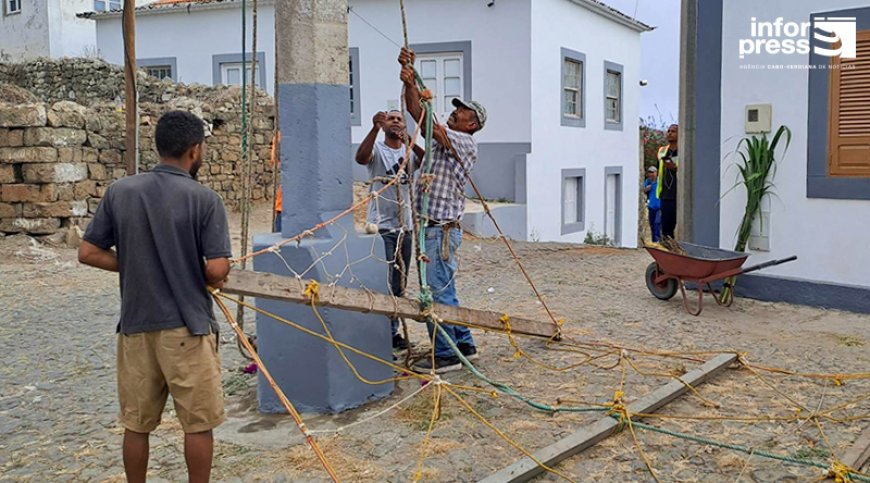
<point>12,6</point>
<point>159,71</point>
<point>573,201</point>
<point>106,5</point>
<point>227,69</point>
<point>443,75</point>
<point>231,73</point>
<point>849,121</point>
<point>353,82</point>
<point>571,87</point>
<point>612,96</point>
<point>573,92</point>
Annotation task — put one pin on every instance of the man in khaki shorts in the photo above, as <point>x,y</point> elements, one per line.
<point>171,240</point>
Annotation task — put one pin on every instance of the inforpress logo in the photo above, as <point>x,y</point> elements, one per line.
<point>831,37</point>
<point>838,36</point>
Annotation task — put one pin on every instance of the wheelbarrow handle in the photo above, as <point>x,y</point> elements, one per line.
<point>770,263</point>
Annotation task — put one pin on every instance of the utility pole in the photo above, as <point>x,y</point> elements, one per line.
<point>131,95</point>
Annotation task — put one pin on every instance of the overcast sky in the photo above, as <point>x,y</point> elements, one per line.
<point>660,55</point>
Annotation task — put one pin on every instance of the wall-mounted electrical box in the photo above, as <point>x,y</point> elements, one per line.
<point>757,118</point>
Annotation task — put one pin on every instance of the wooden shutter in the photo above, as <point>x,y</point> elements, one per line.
<point>849,123</point>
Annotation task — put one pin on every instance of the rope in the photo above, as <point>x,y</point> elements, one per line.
<point>309,438</point>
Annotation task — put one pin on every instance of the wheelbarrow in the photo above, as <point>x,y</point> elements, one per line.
<point>700,265</point>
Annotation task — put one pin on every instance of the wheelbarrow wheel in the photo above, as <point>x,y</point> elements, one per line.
<point>662,291</point>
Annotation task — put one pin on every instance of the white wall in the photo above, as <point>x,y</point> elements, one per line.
<point>830,237</point>
<point>500,55</point>
<point>71,36</point>
<point>25,35</point>
<point>192,39</point>
<point>557,24</point>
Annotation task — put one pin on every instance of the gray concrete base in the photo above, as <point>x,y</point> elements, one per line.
<point>310,371</point>
<point>511,218</point>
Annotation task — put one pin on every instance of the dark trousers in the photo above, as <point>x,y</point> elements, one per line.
<point>669,217</point>
<point>655,223</point>
<point>397,246</point>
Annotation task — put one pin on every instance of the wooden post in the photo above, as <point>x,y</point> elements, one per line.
<point>588,436</point>
<point>271,286</point>
<point>858,454</point>
<point>131,96</point>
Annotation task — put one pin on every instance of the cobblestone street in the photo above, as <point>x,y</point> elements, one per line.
<point>58,396</point>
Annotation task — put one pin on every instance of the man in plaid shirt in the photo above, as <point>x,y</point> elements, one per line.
<point>446,188</point>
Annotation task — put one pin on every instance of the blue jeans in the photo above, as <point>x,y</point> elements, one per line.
<point>440,276</point>
<point>278,223</point>
<point>655,223</point>
<point>397,246</point>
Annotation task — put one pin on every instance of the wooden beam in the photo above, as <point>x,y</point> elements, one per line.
<point>271,286</point>
<point>588,436</point>
<point>858,454</point>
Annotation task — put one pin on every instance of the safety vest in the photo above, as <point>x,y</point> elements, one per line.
<point>663,151</point>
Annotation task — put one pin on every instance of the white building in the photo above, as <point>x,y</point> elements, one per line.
<point>49,28</point>
<point>559,79</point>
<point>821,211</point>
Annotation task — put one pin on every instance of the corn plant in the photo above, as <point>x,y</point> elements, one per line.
<point>757,166</point>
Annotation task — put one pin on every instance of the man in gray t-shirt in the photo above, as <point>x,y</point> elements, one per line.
<point>391,210</point>
<point>171,239</point>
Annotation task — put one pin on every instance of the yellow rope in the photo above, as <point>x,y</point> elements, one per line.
<point>281,396</point>
<point>505,437</point>
<point>312,292</point>
<point>436,414</point>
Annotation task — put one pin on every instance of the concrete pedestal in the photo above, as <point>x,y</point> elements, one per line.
<point>311,371</point>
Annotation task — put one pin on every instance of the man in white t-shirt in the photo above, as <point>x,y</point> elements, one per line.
<point>391,214</point>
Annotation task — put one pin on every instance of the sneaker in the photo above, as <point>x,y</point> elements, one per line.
<point>469,351</point>
<point>442,365</point>
<point>399,343</point>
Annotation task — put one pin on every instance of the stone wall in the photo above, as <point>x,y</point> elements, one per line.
<point>58,156</point>
<point>56,160</point>
<point>90,81</point>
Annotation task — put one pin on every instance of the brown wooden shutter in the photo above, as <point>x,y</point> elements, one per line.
<point>849,123</point>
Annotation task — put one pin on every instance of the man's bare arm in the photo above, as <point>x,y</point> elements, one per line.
<point>94,256</point>
<point>216,271</point>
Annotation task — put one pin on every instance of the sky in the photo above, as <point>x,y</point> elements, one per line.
<point>660,55</point>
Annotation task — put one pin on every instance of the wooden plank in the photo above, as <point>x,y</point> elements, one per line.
<point>278,287</point>
<point>588,436</point>
<point>858,454</point>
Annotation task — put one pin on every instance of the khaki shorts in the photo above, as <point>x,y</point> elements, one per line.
<point>152,365</point>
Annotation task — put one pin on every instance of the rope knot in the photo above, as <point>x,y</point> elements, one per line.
<point>312,292</point>
<point>840,472</point>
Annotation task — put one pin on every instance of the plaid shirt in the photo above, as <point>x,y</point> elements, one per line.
<point>447,191</point>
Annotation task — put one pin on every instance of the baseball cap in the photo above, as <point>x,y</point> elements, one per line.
<point>652,169</point>
<point>474,106</point>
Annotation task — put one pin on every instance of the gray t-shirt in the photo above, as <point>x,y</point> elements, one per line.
<point>384,210</point>
<point>164,225</point>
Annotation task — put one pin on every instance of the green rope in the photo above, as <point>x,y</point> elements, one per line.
<point>739,448</point>
<point>426,297</point>
<point>504,388</point>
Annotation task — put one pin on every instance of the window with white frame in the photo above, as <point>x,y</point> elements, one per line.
<point>572,86</point>
<point>614,96</point>
<point>107,5</point>
<point>231,73</point>
<point>159,71</point>
<point>573,200</point>
<point>11,6</point>
<point>573,83</point>
<point>443,75</point>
